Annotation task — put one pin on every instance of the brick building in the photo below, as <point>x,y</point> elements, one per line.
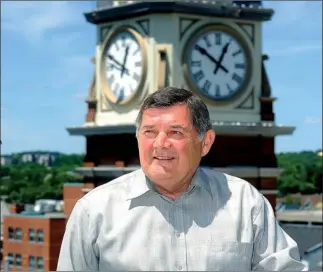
<point>32,240</point>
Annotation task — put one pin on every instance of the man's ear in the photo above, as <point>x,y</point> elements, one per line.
<point>208,141</point>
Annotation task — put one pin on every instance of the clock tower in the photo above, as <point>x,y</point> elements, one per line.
<point>213,48</point>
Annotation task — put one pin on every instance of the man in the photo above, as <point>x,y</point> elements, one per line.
<point>172,214</point>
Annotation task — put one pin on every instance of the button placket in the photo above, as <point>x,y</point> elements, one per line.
<point>179,238</point>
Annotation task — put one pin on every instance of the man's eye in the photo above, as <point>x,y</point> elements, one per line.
<point>175,132</point>
<point>149,132</point>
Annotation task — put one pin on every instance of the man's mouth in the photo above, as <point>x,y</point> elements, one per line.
<point>163,158</point>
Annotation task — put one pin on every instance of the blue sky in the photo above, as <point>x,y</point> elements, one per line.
<point>46,49</point>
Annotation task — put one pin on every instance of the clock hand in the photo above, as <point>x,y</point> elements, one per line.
<point>124,61</point>
<point>205,53</point>
<point>118,63</point>
<point>224,51</point>
<point>114,60</point>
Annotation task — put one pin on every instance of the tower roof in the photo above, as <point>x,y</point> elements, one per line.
<point>110,11</point>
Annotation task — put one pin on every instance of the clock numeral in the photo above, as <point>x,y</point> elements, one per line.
<point>198,76</point>
<point>217,90</point>
<point>196,63</point>
<point>218,38</point>
<point>229,88</point>
<point>111,79</point>
<point>117,46</point>
<point>130,88</point>
<point>240,66</point>
<point>206,40</point>
<point>206,86</point>
<point>236,53</point>
<point>136,77</point>
<point>110,66</point>
<point>123,38</point>
<point>120,95</point>
<point>136,51</point>
<point>116,88</point>
<point>237,78</point>
<point>138,63</point>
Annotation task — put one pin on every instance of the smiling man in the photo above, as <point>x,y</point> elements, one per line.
<point>172,214</point>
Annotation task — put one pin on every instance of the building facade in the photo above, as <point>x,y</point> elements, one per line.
<point>238,97</point>
<point>32,241</point>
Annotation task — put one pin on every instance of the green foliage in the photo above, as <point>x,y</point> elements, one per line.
<point>302,172</point>
<point>27,182</point>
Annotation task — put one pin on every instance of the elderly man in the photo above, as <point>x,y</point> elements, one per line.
<point>172,214</point>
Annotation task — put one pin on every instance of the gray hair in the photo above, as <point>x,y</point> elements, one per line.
<point>171,96</point>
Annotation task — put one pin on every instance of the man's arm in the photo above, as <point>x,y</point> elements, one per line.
<point>77,252</point>
<point>274,249</point>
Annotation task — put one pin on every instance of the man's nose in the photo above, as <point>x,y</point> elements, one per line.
<point>161,141</point>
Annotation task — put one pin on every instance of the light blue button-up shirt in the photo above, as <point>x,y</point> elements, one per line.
<point>222,223</point>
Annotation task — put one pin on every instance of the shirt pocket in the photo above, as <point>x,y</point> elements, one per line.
<point>229,256</point>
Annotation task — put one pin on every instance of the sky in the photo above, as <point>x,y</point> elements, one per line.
<point>46,69</point>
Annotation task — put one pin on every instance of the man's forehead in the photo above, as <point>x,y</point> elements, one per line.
<point>176,116</point>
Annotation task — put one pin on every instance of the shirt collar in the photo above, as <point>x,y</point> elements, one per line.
<point>140,184</point>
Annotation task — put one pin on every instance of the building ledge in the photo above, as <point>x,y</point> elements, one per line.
<point>113,171</point>
<point>86,190</point>
<point>39,215</point>
<point>136,9</point>
<point>309,216</point>
<point>266,129</point>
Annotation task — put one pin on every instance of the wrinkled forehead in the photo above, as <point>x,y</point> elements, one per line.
<point>178,115</point>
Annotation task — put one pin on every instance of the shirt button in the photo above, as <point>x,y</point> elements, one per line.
<point>180,267</point>
<point>178,234</point>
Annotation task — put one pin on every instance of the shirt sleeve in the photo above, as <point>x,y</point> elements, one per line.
<point>77,252</point>
<point>274,249</point>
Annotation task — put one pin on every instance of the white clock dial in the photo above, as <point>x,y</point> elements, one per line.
<point>218,64</point>
<point>123,64</point>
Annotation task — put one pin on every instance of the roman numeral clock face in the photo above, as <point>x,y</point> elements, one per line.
<point>123,67</point>
<point>217,65</point>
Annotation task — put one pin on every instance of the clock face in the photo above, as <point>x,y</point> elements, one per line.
<point>123,66</point>
<point>217,64</point>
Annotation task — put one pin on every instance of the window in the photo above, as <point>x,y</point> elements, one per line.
<point>18,260</point>
<point>31,235</point>
<point>11,233</point>
<point>40,235</point>
<point>40,263</point>
<point>31,262</point>
<point>18,233</point>
<point>10,259</point>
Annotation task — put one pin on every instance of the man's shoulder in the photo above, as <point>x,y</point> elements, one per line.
<point>236,186</point>
<point>117,187</point>
<point>222,176</point>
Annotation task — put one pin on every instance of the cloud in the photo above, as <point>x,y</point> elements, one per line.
<point>33,20</point>
<point>77,70</point>
<point>297,17</point>
<point>295,50</point>
<point>80,96</point>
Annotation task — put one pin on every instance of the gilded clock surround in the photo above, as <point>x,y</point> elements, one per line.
<point>105,45</point>
<point>186,56</point>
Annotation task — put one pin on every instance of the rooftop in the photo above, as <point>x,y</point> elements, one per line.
<point>52,215</point>
<point>314,216</point>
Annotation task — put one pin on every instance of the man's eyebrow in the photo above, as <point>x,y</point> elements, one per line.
<point>178,127</point>
<point>147,127</point>
<point>181,127</point>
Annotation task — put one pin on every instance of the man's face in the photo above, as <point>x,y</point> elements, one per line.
<point>169,148</point>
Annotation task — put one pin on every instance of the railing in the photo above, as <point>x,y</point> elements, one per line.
<point>105,4</point>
